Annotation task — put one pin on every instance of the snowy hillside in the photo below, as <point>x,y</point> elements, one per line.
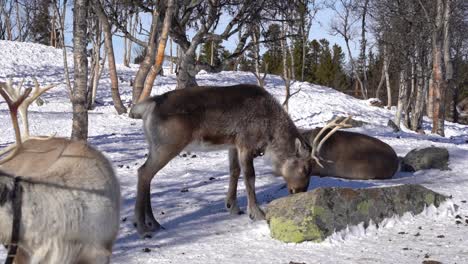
<point>198,228</point>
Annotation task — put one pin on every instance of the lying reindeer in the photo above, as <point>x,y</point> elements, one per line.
<point>350,155</point>
<point>59,199</point>
<point>244,118</point>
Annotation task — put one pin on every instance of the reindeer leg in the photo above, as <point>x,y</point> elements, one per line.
<point>158,158</point>
<point>246,161</point>
<point>234,172</point>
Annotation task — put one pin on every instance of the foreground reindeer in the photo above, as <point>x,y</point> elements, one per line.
<point>59,199</point>
<point>350,155</point>
<point>244,118</point>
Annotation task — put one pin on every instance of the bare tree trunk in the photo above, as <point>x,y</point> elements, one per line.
<point>106,27</point>
<point>256,52</point>
<point>127,41</point>
<point>18,21</point>
<point>356,74</point>
<point>291,56</point>
<point>170,55</point>
<point>448,67</point>
<point>7,21</point>
<point>212,54</point>
<point>62,43</point>
<point>439,82</point>
<point>409,107</point>
<point>95,65</point>
<point>178,56</point>
<point>363,49</point>
<point>386,65</point>
<point>53,31</point>
<point>286,71</point>
<point>160,53</point>
<point>148,61</point>
<point>416,117</point>
<point>304,43</point>
<point>381,82</point>
<point>402,97</point>
<point>187,70</point>
<point>80,113</point>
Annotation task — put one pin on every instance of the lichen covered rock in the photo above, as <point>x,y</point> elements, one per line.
<point>312,216</point>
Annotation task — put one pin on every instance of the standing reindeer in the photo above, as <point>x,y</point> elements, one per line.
<point>59,199</point>
<point>246,119</point>
<point>349,155</point>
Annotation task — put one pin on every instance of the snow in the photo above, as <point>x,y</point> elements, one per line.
<point>198,228</point>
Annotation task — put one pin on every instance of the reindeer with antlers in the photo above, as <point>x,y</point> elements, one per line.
<point>59,199</point>
<point>245,119</point>
<point>349,155</point>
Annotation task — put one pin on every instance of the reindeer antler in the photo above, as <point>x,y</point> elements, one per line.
<point>23,108</point>
<point>20,101</point>
<point>317,145</point>
<point>13,106</point>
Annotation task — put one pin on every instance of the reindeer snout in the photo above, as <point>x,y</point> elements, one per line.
<point>297,190</point>
<point>293,191</point>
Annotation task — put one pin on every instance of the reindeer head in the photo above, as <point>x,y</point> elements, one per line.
<point>296,170</point>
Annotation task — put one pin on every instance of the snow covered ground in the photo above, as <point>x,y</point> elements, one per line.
<point>198,229</point>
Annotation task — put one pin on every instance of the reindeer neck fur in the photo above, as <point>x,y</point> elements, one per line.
<point>282,145</point>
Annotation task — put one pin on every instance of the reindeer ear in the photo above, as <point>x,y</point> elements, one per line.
<point>301,150</point>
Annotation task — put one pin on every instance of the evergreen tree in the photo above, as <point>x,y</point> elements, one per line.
<point>324,72</point>
<point>218,50</point>
<point>272,57</point>
<point>313,61</point>
<point>340,79</point>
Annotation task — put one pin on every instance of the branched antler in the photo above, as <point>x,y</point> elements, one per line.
<point>19,101</point>
<point>317,145</point>
<point>23,108</point>
<point>13,106</point>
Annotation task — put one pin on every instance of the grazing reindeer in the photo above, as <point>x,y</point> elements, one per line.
<point>244,118</point>
<point>350,155</point>
<point>64,197</point>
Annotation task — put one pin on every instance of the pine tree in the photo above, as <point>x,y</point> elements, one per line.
<point>272,56</point>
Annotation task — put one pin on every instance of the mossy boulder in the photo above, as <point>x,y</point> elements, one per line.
<point>426,158</point>
<point>312,216</point>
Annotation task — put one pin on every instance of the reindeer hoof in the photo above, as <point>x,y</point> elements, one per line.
<point>233,208</point>
<point>147,229</point>
<point>257,214</point>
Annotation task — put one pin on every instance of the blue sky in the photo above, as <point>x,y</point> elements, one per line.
<point>319,30</point>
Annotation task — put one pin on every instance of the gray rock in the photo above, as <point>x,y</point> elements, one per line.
<point>312,216</point>
<point>426,158</point>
